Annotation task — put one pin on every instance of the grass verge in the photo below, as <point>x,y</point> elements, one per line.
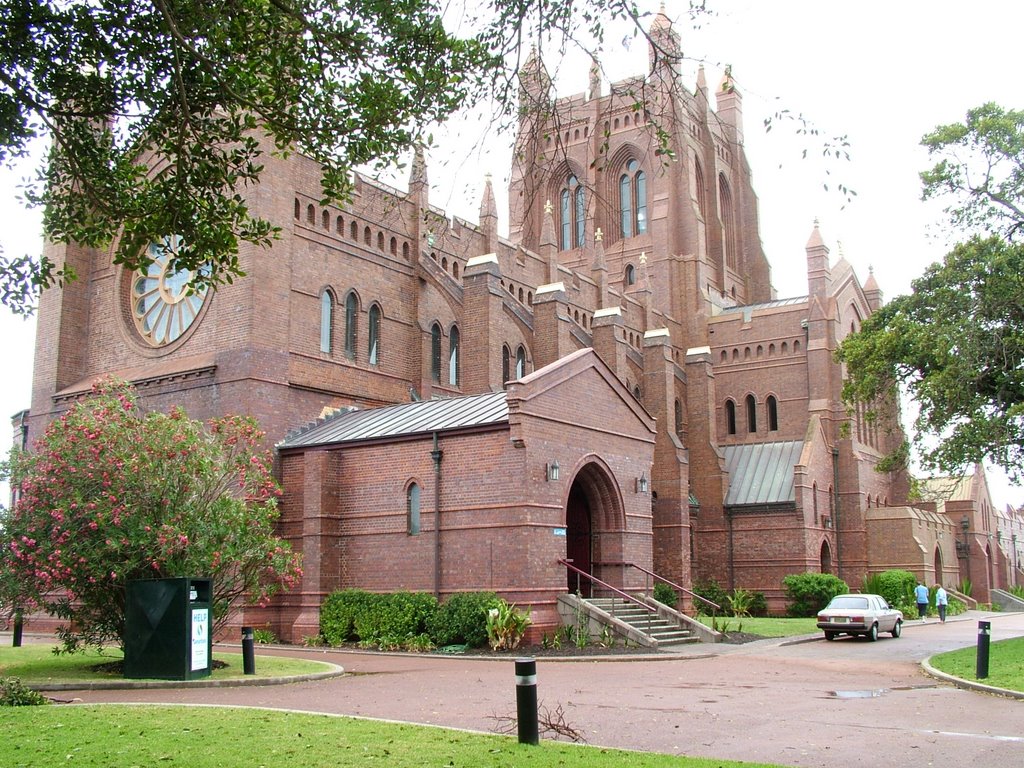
<point>37,664</point>
<point>764,626</point>
<point>1005,664</point>
<point>116,736</point>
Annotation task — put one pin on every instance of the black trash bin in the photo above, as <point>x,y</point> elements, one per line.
<point>168,629</point>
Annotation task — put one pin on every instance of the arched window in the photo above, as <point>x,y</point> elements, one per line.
<point>351,320</point>
<point>453,356</point>
<point>394,246</point>
<point>326,316</point>
<point>679,417</point>
<point>339,227</point>
<point>435,352</point>
<point>814,499</point>
<point>325,220</point>
<point>636,392</point>
<point>572,210</point>
<point>728,223</point>
<point>506,363</point>
<point>633,200</point>
<point>412,509</point>
<point>730,417</point>
<point>630,275</point>
<point>310,214</point>
<point>298,209</point>
<point>367,236</point>
<point>353,231</point>
<point>773,413</point>
<point>374,347</point>
<point>405,251</point>
<point>751,414</point>
<point>698,181</point>
<point>520,361</point>
<point>380,241</point>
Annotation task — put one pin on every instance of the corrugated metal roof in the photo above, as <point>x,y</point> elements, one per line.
<point>746,308</point>
<point>761,473</point>
<point>405,419</point>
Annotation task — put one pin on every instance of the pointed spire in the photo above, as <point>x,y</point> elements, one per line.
<point>534,81</point>
<point>595,79</point>
<point>548,243</point>
<point>815,241</point>
<point>488,206</point>
<point>665,49</point>
<point>418,174</point>
<point>702,83</point>
<point>600,269</point>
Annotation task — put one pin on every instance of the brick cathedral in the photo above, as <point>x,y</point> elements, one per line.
<point>614,385</point>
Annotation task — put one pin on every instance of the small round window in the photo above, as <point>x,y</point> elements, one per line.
<point>164,303</point>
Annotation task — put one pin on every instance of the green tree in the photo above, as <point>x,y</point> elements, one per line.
<point>110,495</point>
<point>981,168</point>
<point>955,344</point>
<point>160,113</point>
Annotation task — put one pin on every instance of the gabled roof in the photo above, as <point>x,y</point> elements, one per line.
<point>405,419</point>
<point>947,488</point>
<point>761,473</point>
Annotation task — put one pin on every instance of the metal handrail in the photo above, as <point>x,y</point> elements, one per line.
<point>672,584</point>
<point>606,585</point>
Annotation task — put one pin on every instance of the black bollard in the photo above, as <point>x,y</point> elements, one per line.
<point>526,701</point>
<point>19,625</point>
<point>248,651</point>
<point>984,636</point>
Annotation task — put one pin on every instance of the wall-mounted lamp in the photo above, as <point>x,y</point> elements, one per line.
<point>552,470</point>
<point>641,483</point>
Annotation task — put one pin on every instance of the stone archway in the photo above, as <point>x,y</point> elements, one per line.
<point>826,557</point>
<point>938,566</point>
<point>594,527</point>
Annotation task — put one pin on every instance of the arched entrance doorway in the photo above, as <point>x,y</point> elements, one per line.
<point>826,557</point>
<point>594,526</point>
<point>938,566</point>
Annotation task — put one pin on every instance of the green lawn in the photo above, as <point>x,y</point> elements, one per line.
<point>764,626</point>
<point>112,736</point>
<point>37,664</point>
<point>1005,664</point>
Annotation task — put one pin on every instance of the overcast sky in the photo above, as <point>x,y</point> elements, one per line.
<point>884,74</point>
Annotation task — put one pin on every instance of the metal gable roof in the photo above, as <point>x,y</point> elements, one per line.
<point>761,473</point>
<point>416,418</point>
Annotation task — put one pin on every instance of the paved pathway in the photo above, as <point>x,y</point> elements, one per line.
<point>846,703</point>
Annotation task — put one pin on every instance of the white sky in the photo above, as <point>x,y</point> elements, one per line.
<point>882,73</point>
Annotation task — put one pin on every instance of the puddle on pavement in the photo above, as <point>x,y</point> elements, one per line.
<point>871,694</point>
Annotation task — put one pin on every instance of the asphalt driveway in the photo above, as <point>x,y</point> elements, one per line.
<point>803,704</point>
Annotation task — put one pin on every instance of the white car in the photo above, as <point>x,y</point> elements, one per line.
<point>865,615</point>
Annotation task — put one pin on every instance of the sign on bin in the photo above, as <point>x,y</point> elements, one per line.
<point>200,637</point>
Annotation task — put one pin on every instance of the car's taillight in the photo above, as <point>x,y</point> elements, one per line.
<point>822,617</point>
<point>857,619</point>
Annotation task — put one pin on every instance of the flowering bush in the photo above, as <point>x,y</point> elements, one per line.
<point>506,626</point>
<point>110,494</point>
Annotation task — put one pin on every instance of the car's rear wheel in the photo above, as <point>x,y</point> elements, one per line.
<point>897,628</point>
<point>873,633</point>
<point>830,635</point>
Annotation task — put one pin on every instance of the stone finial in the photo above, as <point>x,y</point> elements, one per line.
<point>598,235</point>
<point>549,208</point>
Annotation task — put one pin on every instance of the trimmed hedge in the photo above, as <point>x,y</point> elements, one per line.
<point>462,618</point>
<point>808,593</point>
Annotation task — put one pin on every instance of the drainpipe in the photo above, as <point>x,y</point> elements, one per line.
<point>835,509</point>
<point>436,455</point>
<point>732,575</point>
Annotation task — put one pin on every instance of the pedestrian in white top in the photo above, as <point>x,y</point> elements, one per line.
<point>941,602</point>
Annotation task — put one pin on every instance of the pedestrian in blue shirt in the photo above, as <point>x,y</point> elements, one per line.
<point>941,602</point>
<point>921,595</point>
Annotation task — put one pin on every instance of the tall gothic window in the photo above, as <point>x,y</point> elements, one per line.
<point>520,362</point>
<point>351,320</point>
<point>751,414</point>
<point>633,200</point>
<point>453,357</point>
<point>728,221</point>
<point>326,315</point>
<point>435,352</point>
<point>374,347</point>
<point>412,509</point>
<point>506,363</point>
<point>572,210</point>
<point>773,413</point>
<point>730,417</point>
<point>698,181</point>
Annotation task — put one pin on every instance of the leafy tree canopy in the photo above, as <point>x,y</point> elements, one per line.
<point>981,168</point>
<point>159,112</point>
<point>956,343</point>
<point>110,495</point>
